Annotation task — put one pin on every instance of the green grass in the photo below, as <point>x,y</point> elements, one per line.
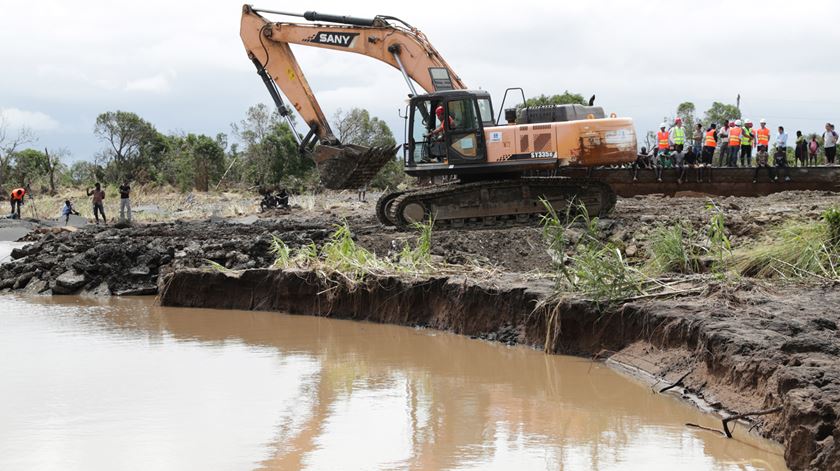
<point>588,266</point>
<point>341,255</point>
<point>674,249</point>
<point>720,247</point>
<point>795,250</point>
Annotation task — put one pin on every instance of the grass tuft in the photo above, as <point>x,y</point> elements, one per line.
<point>588,266</point>
<point>795,250</point>
<point>674,250</point>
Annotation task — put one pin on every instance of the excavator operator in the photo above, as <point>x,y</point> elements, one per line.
<point>439,129</point>
<point>437,148</point>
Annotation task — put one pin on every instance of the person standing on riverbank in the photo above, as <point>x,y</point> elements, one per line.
<point>98,196</point>
<point>829,143</point>
<point>125,201</point>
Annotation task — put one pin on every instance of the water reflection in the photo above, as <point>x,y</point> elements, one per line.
<point>313,393</point>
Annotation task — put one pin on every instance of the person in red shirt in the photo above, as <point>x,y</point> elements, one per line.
<point>439,114</point>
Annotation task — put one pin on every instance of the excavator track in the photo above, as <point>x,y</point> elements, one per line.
<point>497,203</point>
<point>382,206</point>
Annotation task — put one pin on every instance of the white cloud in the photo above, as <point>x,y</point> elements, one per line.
<point>35,120</point>
<point>160,83</point>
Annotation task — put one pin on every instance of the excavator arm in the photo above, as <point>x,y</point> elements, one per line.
<point>384,38</point>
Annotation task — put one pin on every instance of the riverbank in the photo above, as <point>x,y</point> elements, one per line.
<point>743,344</point>
<point>748,349</point>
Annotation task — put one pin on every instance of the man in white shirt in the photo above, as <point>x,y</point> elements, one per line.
<point>830,143</point>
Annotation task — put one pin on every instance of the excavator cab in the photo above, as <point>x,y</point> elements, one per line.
<point>456,137</point>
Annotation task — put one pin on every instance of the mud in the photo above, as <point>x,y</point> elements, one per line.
<point>747,347</point>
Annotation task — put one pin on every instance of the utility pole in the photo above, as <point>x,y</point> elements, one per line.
<point>738,102</point>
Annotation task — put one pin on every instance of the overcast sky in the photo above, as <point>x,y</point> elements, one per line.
<point>181,64</point>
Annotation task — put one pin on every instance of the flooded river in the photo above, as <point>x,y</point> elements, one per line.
<point>124,384</point>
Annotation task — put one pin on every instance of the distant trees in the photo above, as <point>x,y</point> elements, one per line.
<point>685,111</point>
<point>9,143</point>
<point>565,99</point>
<point>270,153</point>
<point>357,127</point>
<point>131,142</point>
<point>264,151</point>
<point>722,113</point>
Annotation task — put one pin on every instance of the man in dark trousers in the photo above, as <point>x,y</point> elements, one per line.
<point>16,198</point>
<point>98,197</point>
<point>125,202</point>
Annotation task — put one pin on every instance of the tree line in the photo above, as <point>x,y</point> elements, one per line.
<point>261,150</point>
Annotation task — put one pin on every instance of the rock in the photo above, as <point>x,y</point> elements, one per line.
<point>69,282</point>
<point>23,280</point>
<point>18,253</point>
<point>137,291</point>
<point>631,250</point>
<point>140,270</point>
<point>36,287</point>
<point>99,291</point>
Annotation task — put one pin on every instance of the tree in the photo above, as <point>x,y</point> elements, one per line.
<point>53,165</point>
<point>9,145</point>
<point>198,161</point>
<point>270,151</point>
<point>685,111</point>
<point>357,127</point>
<point>722,113</point>
<point>129,138</point>
<point>27,165</point>
<point>83,173</point>
<point>565,99</point>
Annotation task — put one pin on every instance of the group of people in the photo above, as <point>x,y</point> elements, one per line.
<point>734,142</point>
<point>97,199</point>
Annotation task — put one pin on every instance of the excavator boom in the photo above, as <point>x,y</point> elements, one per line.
<point>384,38</point>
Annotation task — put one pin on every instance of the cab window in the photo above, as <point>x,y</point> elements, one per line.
<point>463,115</point>
<point>463,125</point>
<point>485,110</point>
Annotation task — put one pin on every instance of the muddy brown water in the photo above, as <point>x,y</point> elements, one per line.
<point>125,384</point>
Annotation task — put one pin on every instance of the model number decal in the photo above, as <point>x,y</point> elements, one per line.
<point>543,155</point>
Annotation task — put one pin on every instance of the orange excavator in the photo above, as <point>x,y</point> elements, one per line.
<point>502,171</point>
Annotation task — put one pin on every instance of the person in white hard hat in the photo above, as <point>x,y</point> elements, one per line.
<point>663,139</point>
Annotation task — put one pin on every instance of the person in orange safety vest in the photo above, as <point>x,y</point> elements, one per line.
<point>16,198</point>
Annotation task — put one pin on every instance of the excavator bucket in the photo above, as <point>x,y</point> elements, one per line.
<point>350,166</point>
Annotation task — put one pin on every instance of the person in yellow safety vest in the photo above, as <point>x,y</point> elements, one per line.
<point>747,141</point>
<point>663,139</point>
<point>677,135</point>
<point>734,142</point>
<point>16,198</point>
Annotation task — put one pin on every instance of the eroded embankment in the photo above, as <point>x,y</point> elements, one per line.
<point>764,350</point>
